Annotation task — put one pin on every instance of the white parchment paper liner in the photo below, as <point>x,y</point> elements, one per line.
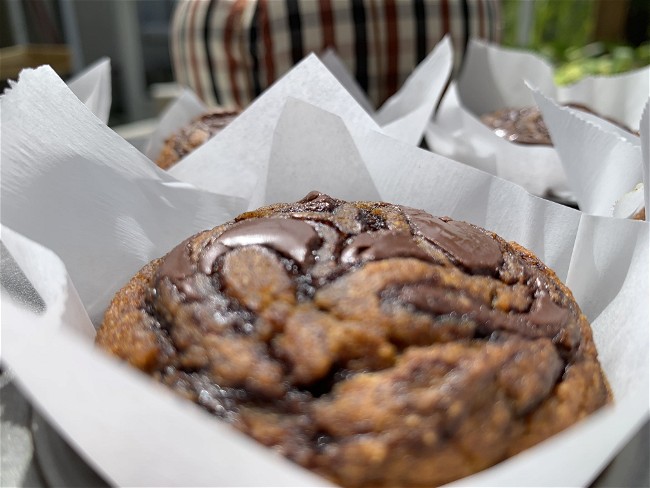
<point>72,185</point>
<point>602,162</point>
<point>93,87</point>
<point>404,116</point>
<point>67,170</point>
<point>176,115</point>
<point>493,78</point>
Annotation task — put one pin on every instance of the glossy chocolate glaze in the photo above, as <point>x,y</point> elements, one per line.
<point>291,238</point>
<point>470,246</point>
<point>382,245</point>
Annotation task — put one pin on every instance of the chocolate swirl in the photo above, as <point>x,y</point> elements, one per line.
<point>374,344</point>
<point>470,246</point>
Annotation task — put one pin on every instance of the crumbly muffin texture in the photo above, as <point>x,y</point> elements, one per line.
<point>193,135</point>
<point>372,343</point>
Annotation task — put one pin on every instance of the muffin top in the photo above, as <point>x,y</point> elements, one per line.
<point>526,125</point>
<point>193,135</point>
<point>372,343</point>
<point>521,125</point>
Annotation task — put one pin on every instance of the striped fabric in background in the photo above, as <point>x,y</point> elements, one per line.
<point>229,51</point>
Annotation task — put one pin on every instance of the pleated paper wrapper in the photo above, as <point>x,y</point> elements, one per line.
<point>404,116</point>
<point>494,78</point>
<point>606,167</point>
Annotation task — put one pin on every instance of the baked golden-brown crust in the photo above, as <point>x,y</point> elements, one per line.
<point>193,135</point>
<point>372,343</point>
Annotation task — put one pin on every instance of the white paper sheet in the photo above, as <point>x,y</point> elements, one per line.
<point>493,77</point>
<point>65,173</point>
<point>601,164</point>
<point>645,154</point>
<point>619,97</point>
<point>93,87</point>
<point>233,162</point>
<point>294,162</point>
<point>104,209</point>
<point>458,134</point>
<point>335,64</point>
<point>404,116</point>
<point>178,114</point>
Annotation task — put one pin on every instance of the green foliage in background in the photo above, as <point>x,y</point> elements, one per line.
<point>562,31</point>
<point>600,59</point>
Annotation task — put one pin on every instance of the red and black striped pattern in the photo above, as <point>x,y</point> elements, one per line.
<point>229,51</point>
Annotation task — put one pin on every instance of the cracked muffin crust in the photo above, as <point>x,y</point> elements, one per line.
<point>372,343</point>
<point>193,135</point>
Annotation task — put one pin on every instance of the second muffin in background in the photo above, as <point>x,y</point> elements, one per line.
<point>193,135</point>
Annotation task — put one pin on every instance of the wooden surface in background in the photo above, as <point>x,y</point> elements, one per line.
<point>15,58</point>
<point>611,17</point>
